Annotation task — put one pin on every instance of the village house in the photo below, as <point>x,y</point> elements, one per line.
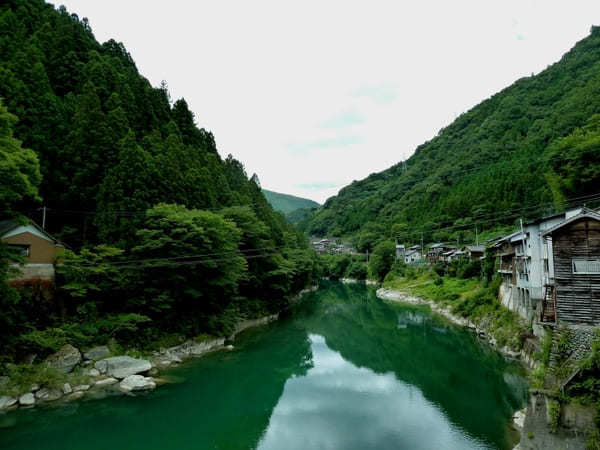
<point>526,264</point>
<point>38,249</point>
<point>413,255</point>
<point>572,291</point>
<point>435,253</point>
<point>474,251</point>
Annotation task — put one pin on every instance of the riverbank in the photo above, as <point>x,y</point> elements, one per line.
<point>539,423</point>
<point>72,374</point>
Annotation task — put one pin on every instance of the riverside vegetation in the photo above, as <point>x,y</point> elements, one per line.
<point>166,239</point>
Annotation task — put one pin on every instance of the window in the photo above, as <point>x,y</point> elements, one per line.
<point>586,266</point>
<point>20,249</point>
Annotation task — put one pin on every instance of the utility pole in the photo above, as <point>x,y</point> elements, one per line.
<point>476,236</point>
<point>44,218</point>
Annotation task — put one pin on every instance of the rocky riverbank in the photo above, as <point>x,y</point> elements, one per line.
<point>533,421</point>
<point>97,373</point>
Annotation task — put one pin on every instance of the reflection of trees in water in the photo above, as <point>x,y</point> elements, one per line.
<point>452,368</point>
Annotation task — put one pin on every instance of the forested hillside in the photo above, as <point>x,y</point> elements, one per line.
<point>288,203</point>
<point>164,235</point>
<point>532,147</point>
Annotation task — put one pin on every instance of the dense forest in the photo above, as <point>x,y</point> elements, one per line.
<point>164,237</point>
<point>528,150</point>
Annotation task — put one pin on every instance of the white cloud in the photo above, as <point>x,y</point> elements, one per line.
<point>267,73</point>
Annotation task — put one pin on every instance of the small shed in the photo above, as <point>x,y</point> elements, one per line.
<point>475,251</point>
<point>573,295</point>
<point>38,249</point>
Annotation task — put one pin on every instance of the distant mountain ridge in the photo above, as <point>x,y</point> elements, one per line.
<point>288,203</point>
<point>530,149</point>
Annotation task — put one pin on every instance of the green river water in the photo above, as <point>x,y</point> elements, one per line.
<point>343,370</point>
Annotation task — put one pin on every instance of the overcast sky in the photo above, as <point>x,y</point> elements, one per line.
<point>311,95</point>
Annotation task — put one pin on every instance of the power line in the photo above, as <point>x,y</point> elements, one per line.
<point>246,252</point>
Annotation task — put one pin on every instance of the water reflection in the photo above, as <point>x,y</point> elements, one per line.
<point>345,370</point>
<point>338,405</point>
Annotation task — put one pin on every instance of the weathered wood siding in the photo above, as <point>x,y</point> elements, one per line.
<point>577,295</point>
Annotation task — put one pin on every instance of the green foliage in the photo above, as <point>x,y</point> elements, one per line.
<point>19,167</point>
<point>165,236</point>
<point>23,376</point>
<point>382,259</point>
<point>534,143</point>
<point>554,415</point>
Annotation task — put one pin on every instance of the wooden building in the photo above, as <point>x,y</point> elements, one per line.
<point>573,294</point>
<point>38,249</point>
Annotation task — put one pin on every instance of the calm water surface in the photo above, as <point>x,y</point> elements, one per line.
<point>343,371</point>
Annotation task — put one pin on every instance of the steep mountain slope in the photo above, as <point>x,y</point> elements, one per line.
<point>288,203</point>
<point>163,230</point>
<point>526,150</point>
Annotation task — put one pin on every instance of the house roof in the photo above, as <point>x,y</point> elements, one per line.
<point>585,214</point>
<point>476,248</point>
<point>6,226</point>
<point>437,245</point>
<point>411,252</point>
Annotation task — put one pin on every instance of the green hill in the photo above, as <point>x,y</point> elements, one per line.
<point>288,203</point>
<point>531,148</point>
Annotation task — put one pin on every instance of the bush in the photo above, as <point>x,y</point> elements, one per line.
<point>357,270</point>
<point>382,260</point>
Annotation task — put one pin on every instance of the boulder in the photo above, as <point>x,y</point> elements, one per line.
<point>137,383</point>
<point>27,399</point>
<point>67,389</point>
<point>48,394</point>
<point>81,388</point>
<point>7,402</point>
<point>93,372</point>
<point>75,396</point>
<point>519,419</point>
<point>97,353</point>
<point>65,359</point>
<point>34,387</point>
<point>106,382</point>
<point>122,366</point>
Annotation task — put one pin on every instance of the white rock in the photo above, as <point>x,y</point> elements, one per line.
<point>122,366</point>
<point>106,382</point>
<point>27,399</point>
<point>81,388</point>
<point>65,359</point>
<point>94,372</point>
<point>67,389</point>
<point>97,352</point>
<point>229,347</point>
<point>34,387</point>
<point>7,402</point>
<point>48,394</point>
<point>75,396</point>
<point>519,419</point>
<point>137,383</point>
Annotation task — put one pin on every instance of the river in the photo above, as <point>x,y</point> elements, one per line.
<point>342,370</point>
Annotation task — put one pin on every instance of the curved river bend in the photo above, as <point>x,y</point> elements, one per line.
<point>343,371</point>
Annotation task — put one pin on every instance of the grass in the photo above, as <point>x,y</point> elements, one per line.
<point>23,376</point>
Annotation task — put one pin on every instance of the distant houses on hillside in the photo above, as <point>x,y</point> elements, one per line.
<point>550,267</point>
